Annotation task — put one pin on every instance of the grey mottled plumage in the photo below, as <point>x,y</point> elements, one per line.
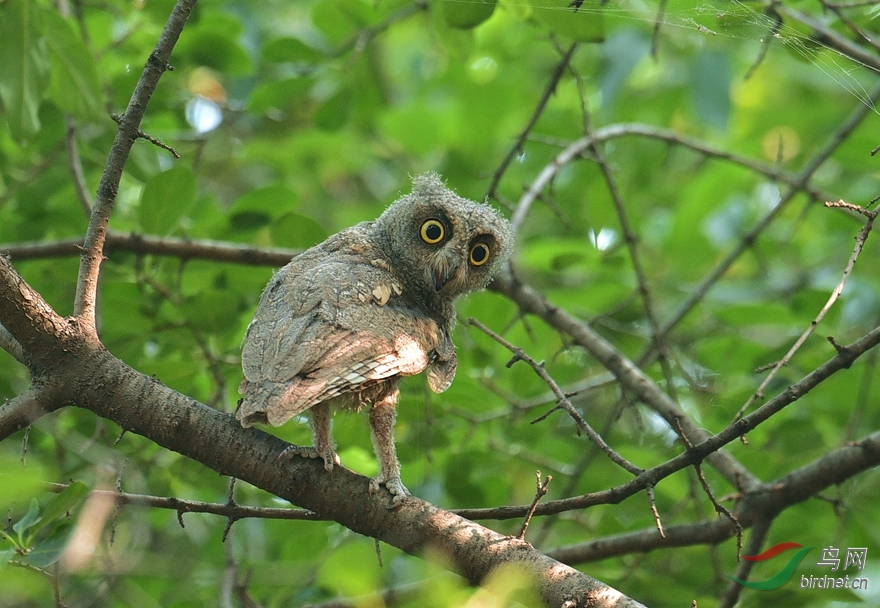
<point>345,320</point>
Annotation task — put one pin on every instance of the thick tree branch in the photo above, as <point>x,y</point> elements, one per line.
<point>24,409</point>
<point>129,126</point>
<point>40,331</point>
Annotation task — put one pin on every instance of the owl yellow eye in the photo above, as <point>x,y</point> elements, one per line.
<point>479,254</point>
<point>432,232</point>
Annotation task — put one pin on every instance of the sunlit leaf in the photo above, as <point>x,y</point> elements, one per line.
<point>74,84</point>
<point>25,61</point>
<point>467,15</point>
<point>167,198</point>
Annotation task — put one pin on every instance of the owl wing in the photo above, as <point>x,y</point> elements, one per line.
<point>327,329</point>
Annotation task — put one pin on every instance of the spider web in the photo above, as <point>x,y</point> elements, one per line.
<point>763,29</point>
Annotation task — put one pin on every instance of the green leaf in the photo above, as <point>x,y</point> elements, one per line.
<point>333,113</point>
<point>467,15</point>
<point>212,310</point>
<point>289,50</point>
<point>167,197</point>
<point>557,16</point>
<point>23,524</point>
<point>25,66</point>
<point>61,504</point>
<point>74,85</point>
<point>712,88</point>
<point>50,550</point>
<point>297,231</point>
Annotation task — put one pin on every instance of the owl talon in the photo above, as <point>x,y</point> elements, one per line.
<point>330,458</point>
<point>394,486</point>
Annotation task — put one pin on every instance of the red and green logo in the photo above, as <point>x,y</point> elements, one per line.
<point>777,581</point>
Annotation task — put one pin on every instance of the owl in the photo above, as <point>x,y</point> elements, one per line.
<point>343,322</point>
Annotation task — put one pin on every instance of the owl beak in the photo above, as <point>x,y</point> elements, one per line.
<point>443,274</point>
<point>440,279</point>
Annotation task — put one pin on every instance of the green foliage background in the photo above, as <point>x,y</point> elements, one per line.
<point>327,107</point>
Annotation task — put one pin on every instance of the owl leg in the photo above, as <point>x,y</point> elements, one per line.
<point>321,423</point>
<point>324,448</point>
<point>382,416</point>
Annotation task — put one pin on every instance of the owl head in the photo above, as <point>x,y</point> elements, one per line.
<point>442,243</point>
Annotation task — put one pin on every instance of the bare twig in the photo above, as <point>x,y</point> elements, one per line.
<point>515,149</point>
<point>129,126</point>
<point>835,294</point>
<point>857,456</point>
<point>76,169</point>
<point>649,490</point>
<point>562,401</point>
<point>232,511</point>
<point>185,249</point>
<point>631,377</point>
<point>146,137</point>
<point>540,493</point>
<point>360,40</point>
<point>832,39</point>
<point>746,241</point>
<point>756,541</point>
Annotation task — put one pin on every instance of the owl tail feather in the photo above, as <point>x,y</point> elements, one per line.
<point>275,403</point>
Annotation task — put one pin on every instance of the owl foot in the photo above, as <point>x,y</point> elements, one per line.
<point>329,457</point>
<point>393,485</point>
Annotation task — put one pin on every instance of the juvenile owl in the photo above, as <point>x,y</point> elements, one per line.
<point>345,320</point>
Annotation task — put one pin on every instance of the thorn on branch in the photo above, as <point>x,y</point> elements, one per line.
<point>764,368</point>
<point>546,415</point>
<point>228,527</point>
<point>540,493</point>
<point>141,135</point>
<point>840,348</point>
<point>721,509</point>
<point>180,518</point>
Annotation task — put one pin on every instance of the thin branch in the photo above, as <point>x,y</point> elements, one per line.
<point>129,125</point>
<point>747,240</point>
<point>832,39</point>
<point>576,149</point>
<point>540,492</point>
<point>835,294</point>
<point>360,40</point>
<point>231,511</point>
<point>562,401</point>
<point>185,249</point>
<point>147,137</point>
<point>11,345</point>
<point>76,169</point>
<point>756,541</point>
<point>632,246</point>
<point>631,377</point>
<point>514,150</point>
<point>852,458</point>
<point>649,490</point>
<point>755,507</point>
